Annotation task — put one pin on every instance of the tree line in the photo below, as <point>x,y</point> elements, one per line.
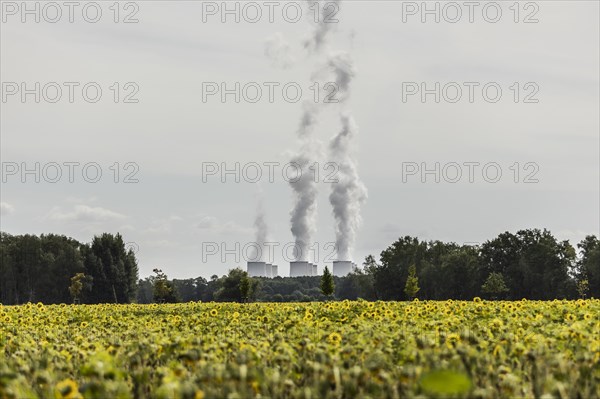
<point>530,264</point>
<point>56,269</point>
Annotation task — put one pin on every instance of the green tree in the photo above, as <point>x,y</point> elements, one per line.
<point>534,263</point>
<point>412,283</point>
<point>114,270</point>
<point>245,288</point>
<point>145,290</point>
<point>327,285</point>
<point>390,277</point>
<point>229,286</point>
<point>583,287</point>
<point>163,290</point>
<point>588,264</point>
<point>76,287</point>
<point>494,285</point>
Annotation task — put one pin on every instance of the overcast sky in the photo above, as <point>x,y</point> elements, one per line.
<point>548,140</point>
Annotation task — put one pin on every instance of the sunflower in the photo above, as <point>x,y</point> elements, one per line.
<point>214,312</point>
<point>334,338</point>
<point>452,339</point>
<point>83,324</point>
<point>67,389</point>
<point>476,299</point>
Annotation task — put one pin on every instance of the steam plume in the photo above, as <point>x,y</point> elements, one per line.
<point>277,49</point>
<point>305,207</point>
<point>343,69</point>
<point>348,193</point>
<point>322,28</point>
<point>261,231</point>
<point>305,189</point>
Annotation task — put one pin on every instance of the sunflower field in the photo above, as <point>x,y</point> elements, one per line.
<point>348,349</point>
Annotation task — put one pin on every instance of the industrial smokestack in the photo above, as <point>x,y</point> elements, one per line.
<point>257,269</point>
<point>342,268</point>
<point>300,268</point>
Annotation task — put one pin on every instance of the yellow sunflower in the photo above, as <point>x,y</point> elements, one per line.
<point>334,338</point>
<point>67,389</point>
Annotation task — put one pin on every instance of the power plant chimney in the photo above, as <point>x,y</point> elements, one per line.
<point>342,268</point>
<point>261,269</point>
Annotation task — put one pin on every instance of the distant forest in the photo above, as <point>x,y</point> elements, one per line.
<point>528,264</point>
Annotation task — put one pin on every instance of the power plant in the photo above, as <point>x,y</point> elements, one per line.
<point>348,192</point>
<point>342,268</point>
<point>262,269</point>
<point>299,268</point>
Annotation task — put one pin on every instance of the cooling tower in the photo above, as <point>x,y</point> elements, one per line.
<point>315,271</point>
<point>257,269</point>
<point>268,270</point>
<point>273,270</point>
<point>342,267</point>
<point>300,268</point>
